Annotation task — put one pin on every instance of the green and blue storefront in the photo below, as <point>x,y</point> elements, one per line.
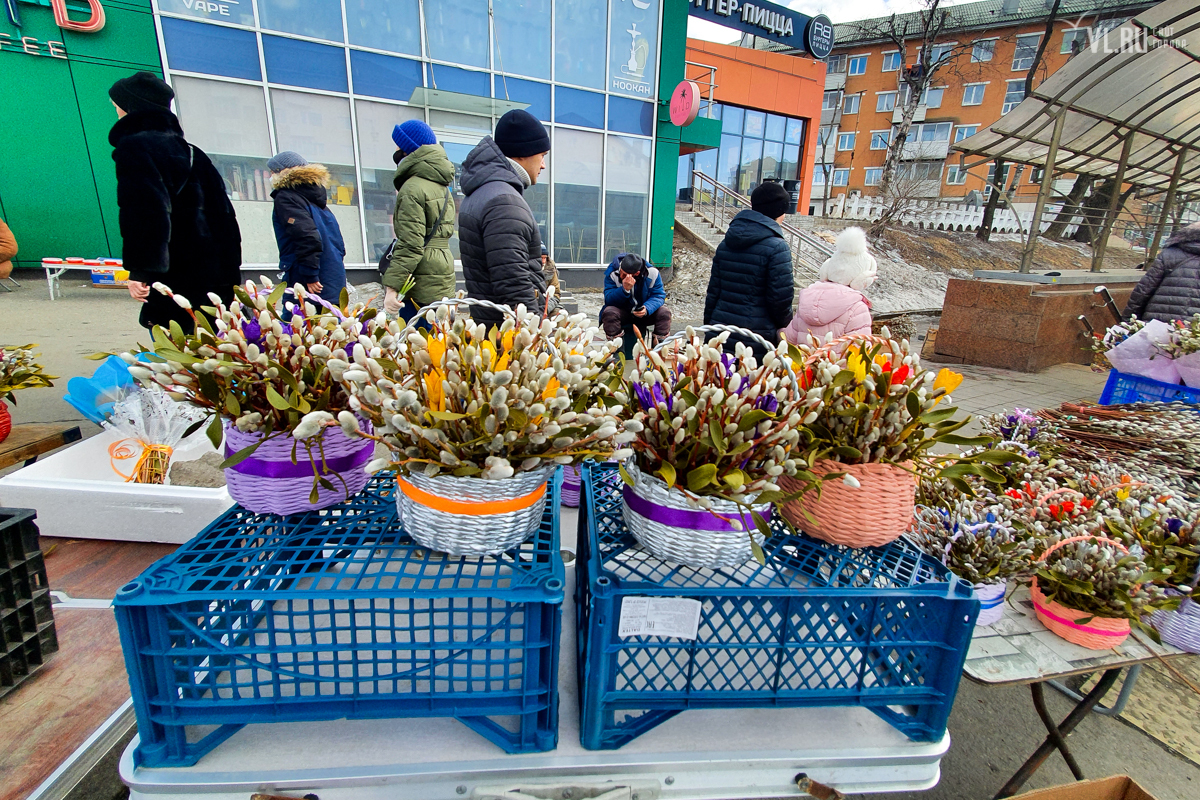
<point>329,79</point>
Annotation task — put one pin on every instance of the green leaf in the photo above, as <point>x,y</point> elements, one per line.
<point>913,403</point>
<point>965,441</point>
<point>195,426</point>
<point>701,476</point>
<point>625,476</point>
<point>770,497</point>
<point>276,399</point>
<point>761,524</point>
<point>842,378</point>
<point>286,376</point>
<point>518,419</point>
<point>313,495</point>
<point>344,298</point>
<point>232,405</point>
<point>273,300</point>
<point>999,457</point>
<point>736,479</point>
<point>937,415</point>
<point>215,432</point>
<point>667,473</point>
<point>177,334</point>
<point>717,435</point>
<point>241,455</point>
<point>447,416</point>
<point>751,419</point>
<point>845,451</point>
<point>757,550</point>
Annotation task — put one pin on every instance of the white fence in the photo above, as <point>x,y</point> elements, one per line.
<point>941,215</point>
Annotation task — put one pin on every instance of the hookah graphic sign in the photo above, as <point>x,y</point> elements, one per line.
<point>632,47</point>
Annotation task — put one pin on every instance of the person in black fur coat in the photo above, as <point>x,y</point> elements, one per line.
<point>177,224</point>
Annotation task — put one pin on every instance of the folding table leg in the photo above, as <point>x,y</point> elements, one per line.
<point>1057,738</point>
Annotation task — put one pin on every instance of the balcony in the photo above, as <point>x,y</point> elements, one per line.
<point>924,151</point>
<point>831,116</point>
<point>918,116</point>
<point>835,80</point>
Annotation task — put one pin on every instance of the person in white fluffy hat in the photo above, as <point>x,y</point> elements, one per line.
<point>836,303</point>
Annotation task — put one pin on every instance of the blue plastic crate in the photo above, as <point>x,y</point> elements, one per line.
<point>886,628</point>
<point>338,614</point>
<point>1125,388</point>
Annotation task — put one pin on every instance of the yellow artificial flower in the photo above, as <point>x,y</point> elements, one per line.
<point>488,351</point>
<point>947,380</point>
<point>506,341</point>
<point>437,350</point>
<point>433,385</point>
<point>551,389</point>
<point>857,364</point>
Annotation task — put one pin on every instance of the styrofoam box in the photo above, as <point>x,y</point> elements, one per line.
<point>77,494</point>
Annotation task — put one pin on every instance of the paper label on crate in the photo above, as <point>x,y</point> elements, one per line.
<point>676,617</point>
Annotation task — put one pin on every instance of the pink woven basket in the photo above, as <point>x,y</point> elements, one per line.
<point>870,516</point>
<point>268,482</point>
<point>1098,633</point>
<point>5,421</point>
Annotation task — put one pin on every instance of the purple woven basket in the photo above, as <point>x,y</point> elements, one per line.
<point>1180,628</point>
<point>572,481</point>
<point>269,483</point>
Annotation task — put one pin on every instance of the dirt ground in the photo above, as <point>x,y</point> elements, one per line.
<point>943,249</point>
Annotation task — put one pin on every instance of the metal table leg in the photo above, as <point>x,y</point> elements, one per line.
<point>1057,738</point>
<point>1122,698</point>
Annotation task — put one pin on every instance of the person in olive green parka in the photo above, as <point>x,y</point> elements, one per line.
<point>423,175</point>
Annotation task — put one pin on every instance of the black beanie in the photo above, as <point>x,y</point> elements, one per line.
<point>633,264</point>
<point>771,200</point>
<point>519,134</point>
<point>142,91</point>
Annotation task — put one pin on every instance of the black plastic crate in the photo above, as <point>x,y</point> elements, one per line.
<point>27,635</point>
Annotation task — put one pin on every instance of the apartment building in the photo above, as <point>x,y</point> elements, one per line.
<point>987,51</point>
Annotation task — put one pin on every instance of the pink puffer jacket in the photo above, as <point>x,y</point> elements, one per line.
<point>825,307</point>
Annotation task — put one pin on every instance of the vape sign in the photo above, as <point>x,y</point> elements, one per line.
<point>93,23</point>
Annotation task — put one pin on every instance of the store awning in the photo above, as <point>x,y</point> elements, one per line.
<point>1141,80</point>
<point>464,103</point>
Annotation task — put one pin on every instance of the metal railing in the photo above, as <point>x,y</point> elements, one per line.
<point>717,205</point>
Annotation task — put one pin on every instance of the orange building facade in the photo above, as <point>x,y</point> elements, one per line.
<point>982,81</point>
<point>769,105</point>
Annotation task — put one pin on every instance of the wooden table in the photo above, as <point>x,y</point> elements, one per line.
<point>27,442</point>
<point>1020,650</point>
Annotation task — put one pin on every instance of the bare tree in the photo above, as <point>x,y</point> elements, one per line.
<point>921,30</point>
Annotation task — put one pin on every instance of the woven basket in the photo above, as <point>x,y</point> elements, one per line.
<point>1098,633</point>
<point>269,483</point>
<point>1181,627</point>
<point>870,516</point>
<point>991,602</point>
<point>463,525</point>
<point>5,421</point>
<point>571,485</point>
<point>703,541</point>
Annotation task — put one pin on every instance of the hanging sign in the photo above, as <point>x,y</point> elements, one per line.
<point>813,35</point>
<point>685,103</point>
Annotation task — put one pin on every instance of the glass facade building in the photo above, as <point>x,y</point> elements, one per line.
<point>755,146</point>
<point>330,78</point>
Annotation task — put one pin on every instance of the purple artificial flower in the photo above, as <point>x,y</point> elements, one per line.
<point>656,392</point>
<point>350,349</point>
<point>643,396</point>
<point>768,403</point>
<point>252,331</point>
<point>1174,525</point>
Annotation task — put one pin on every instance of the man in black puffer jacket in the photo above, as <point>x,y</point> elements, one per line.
<point>177,224</point>
<point>499,239</point>
<point>750,285</point>
<point>1170,289</point>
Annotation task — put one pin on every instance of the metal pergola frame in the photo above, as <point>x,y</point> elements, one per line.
<point>1126,108</point>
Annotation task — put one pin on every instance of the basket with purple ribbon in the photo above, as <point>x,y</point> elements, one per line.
<point>571,486</point>
<point>714,430</point>
<point>266,369</point>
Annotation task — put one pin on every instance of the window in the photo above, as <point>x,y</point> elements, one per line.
<point>579,54</point>
<point>577,195</point>
<point>526,22</point>
<point>841,177</point>
<point>626,196</point>
<point>940,53</point>
<point>320,19</point>
<point>577,107</point>
<point>1035,175</point>
<point>873,176</point>
<point>929,132</point>
<point>755,124</point>
<point>920,171</point>
<point>1074,40</point>
<point>858,66</point>
<point>775,126</point>
<point>846,141</point>
<point>196,47</point>
<point>1025,51</point>
<point>831,100</point>
<point>963,131</point>
<point>387,76</point>
<point>973,94</point>
<point>823,134</point>
<point>885,101</point>
<point>850,103</point>
<point>820,174</point>
<point>933,97</point>
<point>375,149</point>
<point>836,64</point>
<point>880,139</point>
<point>991,179</point>
<point>378,24</point>
<point>983,50</point>
<point>624,113</point>
<point>299,63</point>
<point>457,31</point>
<point>956,176</point>
<point>795,131</point>
<point>891,61</point>
<point>1013,95</point>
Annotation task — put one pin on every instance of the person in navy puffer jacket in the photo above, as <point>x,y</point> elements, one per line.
<point>634,295</point>
<point>311,249</point>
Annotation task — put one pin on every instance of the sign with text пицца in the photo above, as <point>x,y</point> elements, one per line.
<point>767,20</point>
